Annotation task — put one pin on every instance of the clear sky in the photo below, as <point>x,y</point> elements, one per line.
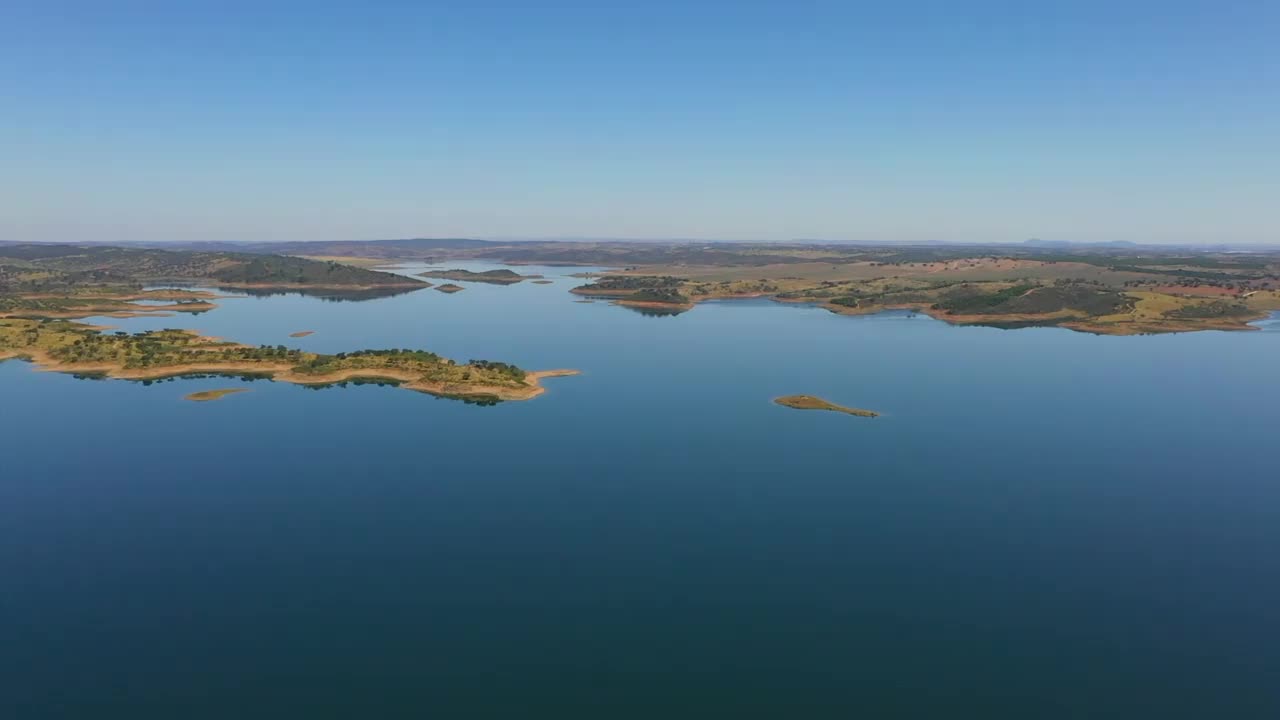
<point>987,120</point>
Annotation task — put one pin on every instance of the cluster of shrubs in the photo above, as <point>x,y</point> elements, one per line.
<point>1214,309</point>
<point>500,367</point>
<point>636,282</point>
<point>660,295</point>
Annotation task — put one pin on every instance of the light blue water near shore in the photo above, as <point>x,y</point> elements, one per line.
<point>1042,524</point>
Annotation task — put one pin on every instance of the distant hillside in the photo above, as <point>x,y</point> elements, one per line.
<point>43,267</point>
<point>410,248</point>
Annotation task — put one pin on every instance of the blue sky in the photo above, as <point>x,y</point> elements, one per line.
<point>895,121</point>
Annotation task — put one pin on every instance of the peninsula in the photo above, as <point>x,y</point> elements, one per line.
<point>661,293</point>
<point>63,346</point>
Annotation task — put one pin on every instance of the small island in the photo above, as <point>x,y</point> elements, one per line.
<point>302,333</point>
<point>493,277</point>
<point>211,395</point>
<point>810,402</point>
<point>449,288</point>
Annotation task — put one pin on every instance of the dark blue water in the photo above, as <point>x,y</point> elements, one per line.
<point>1042,524</point>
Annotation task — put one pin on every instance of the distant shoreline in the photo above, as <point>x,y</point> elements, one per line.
<point>1067,320</point>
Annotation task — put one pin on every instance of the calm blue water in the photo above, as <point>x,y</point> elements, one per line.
<point>1042,524</point>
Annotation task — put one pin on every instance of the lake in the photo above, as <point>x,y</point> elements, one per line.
<point>1041,524</point>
